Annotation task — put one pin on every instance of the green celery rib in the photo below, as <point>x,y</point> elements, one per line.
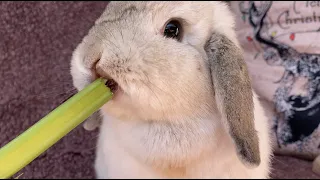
<point>50,129</point>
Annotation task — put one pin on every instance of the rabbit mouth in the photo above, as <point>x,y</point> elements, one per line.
<point>113,85</point>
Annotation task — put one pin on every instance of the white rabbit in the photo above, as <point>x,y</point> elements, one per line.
<point>183,105</point>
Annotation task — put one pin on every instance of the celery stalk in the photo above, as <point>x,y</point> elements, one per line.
<point>50,129</point>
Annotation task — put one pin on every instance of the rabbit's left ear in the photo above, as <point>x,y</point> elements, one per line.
<point>234,95</point>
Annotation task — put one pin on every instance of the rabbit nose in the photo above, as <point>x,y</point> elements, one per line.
<point>110,82</point>
<point>100,73</point>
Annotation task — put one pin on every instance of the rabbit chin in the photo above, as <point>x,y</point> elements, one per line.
<point>139,103</point>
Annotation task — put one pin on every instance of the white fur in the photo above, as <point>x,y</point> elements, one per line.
<point>165,122</point>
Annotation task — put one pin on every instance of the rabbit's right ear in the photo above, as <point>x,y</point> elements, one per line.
<point>234,95</point>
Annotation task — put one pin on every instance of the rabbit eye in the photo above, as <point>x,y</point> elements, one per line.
<point>173,30</point>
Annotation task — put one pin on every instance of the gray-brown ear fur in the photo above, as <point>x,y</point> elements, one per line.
<point>234,96</point>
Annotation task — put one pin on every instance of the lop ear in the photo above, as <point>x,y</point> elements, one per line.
<point>234,96</point>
